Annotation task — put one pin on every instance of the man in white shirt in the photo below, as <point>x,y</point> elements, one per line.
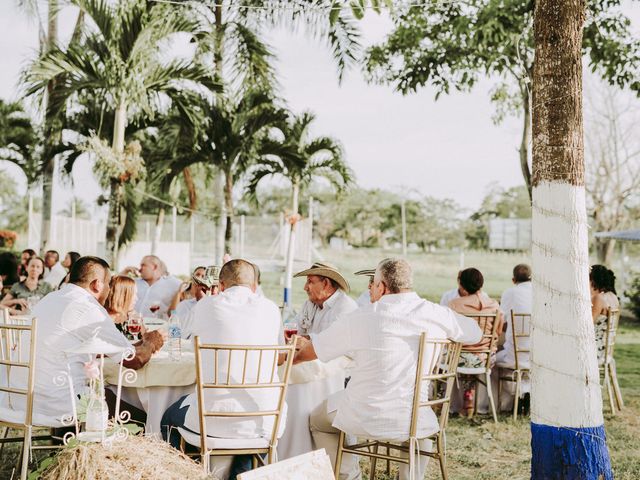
<point>67,318</point>
<point>518,298</point>
<point>326,290</point>
<point>236,316</point>
<point>156,289</point>
<point>365,297</point>
<point>377,402</point>
<point>54,271</point>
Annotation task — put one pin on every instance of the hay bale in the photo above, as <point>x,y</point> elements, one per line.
<point>136,458</point>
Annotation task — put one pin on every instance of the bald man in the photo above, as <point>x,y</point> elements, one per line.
<point>236,316</point>
<point>156,288</point>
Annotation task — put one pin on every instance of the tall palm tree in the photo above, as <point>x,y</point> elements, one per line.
<point>227,136</point>
<point>300,159</point>
<point>567,427</point>
<point>19,140</point>
<point>119,62</point>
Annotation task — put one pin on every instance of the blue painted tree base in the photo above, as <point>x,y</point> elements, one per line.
<point>569,453</point>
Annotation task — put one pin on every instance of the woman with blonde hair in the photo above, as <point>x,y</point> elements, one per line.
<point>122,297</point>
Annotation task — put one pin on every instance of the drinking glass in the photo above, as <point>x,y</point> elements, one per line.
<point>134,324</point>
<point>290,329</point>
<point>32,301</point>
<point>154,309</point>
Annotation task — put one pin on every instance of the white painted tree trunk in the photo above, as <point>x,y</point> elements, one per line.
<point>291,246</point>
<point>157,232</point>
<point>113,219</point>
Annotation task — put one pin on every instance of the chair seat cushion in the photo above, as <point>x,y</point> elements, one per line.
<point>215,443</point>
<point>37,420</point>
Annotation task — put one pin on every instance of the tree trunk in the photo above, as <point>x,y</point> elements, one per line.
<point>157,232</point>
<point>526,139</point>
<point>291,246</point>
<point>568,438</point>
<point>219,183</point>
<point>191,189</point>
<point>114,219</point>
<point>604,249</point>
<point>228,205</point>
<point>51,137</point>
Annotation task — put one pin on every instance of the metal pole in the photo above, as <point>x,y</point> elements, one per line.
<point>310,246</point>
<point>174,219</point>
<point>404,228</point>
<point>242,232</point>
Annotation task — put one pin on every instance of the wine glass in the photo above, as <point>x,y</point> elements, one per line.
<point>134,324</point>
<point>290,329</point>
<point>31,301</point>
<point>154,309</point>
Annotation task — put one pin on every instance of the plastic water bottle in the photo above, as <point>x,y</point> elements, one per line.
<point>175,340</point>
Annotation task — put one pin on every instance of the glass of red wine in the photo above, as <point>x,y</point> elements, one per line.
<point>154,309</point>
<point>134,324</point>
<point>290,329</point>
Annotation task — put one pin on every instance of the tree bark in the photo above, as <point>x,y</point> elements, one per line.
<point>568,439</point>
<point>114,218</point>
<point>51,137</point>
<point>228,204</point>
<point>526,139</point>
<point>604,249</point>
<point>219,183</point>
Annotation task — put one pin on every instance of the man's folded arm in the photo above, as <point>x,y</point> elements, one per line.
<point>151,343</point>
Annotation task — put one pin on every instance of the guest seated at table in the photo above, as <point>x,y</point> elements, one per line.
<point>201,285</point>
<point>377,402</point>
<point>603,296</point>
<point>121,299</point>
<point>33,287</point>
<point>156,288</point>
<point>237,316</point>
<point>187,289</point>
<point>67,318</point>
<point>326,290</point>
<point>473,300</point>
<point>24,259</point>
<point>54,272</point>
<point>518,299</point>
<point>69,259</point>
<point>8,270</point>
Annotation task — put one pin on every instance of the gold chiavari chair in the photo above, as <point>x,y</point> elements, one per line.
<point>230,379</point>
<point>12,358</point>
<point>607,363</point>
<point>437,364</point>
<point>520,330</point>
<point>488,323</point>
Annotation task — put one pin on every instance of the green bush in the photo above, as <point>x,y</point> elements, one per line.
<point>633,294</point>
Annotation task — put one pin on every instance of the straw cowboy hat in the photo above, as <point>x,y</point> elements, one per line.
<point>369,272</point>
<point>326,270</point>
<point>211,277</point>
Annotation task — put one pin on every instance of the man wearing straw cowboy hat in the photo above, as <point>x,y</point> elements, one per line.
<point>326,290</point>
<point>365,297</point>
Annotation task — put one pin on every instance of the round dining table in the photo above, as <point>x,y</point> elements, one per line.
<point>159,384</point>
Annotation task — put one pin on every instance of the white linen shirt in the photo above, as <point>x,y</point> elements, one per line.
<point>383,340</point>
<point>364,299</point>
<point>161,292</point>
<point>55,275</point>
<point>518,298</point>
<point>236,316</point>
<point>67,318</point>
<point>313,319</point>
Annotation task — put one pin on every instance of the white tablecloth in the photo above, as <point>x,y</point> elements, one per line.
<point>159,384</point>
<point>303,396</point>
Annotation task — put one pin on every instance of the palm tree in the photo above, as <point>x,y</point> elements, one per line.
<point>119,63</point>
<point>19,140</point>
<point>300,159</point>
<point>567,427</point>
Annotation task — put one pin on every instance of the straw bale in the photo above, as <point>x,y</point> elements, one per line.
<point>136,458</point>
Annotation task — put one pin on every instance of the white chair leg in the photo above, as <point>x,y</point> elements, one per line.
<point>492,403</point>
<point>26,454</point>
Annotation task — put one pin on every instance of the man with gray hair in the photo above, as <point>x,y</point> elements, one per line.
<point>377,402</point>
<point>156,288</point>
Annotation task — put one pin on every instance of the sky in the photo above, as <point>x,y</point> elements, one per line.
<point>447,148</point>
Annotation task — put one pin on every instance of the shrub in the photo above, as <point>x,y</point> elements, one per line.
<point>8,238</point>
<point>633,294</point>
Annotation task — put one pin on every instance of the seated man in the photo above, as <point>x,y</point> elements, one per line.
<point>474,300</point>
<point>518,298</point>
<point>377,402</point>
<point>156,288</point>
<point>365,297</point>
<point>54,271</point>
<point>67,318</point>
<point>236,316</point>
